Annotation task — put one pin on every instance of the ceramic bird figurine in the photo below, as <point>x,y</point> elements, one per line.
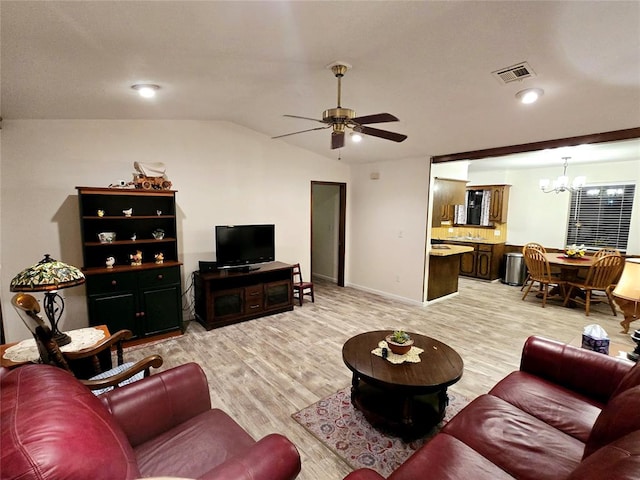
<point>127,212</point>
<point>110,262</point>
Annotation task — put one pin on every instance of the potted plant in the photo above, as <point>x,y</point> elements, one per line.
<point>399,342</point>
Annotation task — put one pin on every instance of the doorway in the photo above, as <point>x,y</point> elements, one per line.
<point>328,225</point>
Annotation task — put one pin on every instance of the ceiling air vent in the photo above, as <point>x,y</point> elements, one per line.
<point>519,71</point>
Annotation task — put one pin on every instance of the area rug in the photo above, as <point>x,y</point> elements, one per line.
<point>344,430</point>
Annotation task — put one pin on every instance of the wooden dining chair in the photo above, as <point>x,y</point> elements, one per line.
<point>300,287</point>
<point>540,271</point>
<point>101,380</point>
<point>600,277</point>
<point>606,251</point>
<point>530,246</point>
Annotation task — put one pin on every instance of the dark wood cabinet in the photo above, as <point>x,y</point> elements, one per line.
<point>145,298</point>
<point>499,203</point>
<point>225,297</point>
<point>484,262</point>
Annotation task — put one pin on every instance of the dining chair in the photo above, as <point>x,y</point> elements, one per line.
<point>540,271</point>
<point>531,246</point>
<point>300,287</point>
<point>102,379</point>
<point>600,277</point>
<point>606,251</point>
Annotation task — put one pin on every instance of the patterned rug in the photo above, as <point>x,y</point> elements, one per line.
<point>337,424</point>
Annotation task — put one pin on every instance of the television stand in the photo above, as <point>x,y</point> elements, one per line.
<point>229,296</point>
<point>243,268</point>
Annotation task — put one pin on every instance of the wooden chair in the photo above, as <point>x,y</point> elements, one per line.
<point>532,246</point>
<point>300,287</point>
<point>540,271</point>
<point>606,251</point>
<point>600,277</point>
<point>102,379</point>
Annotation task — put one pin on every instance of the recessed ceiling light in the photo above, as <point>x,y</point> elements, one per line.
<point>529,95</point>
<point>146,90</point>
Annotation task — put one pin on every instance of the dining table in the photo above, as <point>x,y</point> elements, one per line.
<point>570,270</point>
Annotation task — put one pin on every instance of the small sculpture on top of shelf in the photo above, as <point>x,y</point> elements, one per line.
<point>136,258</point>
<point>128,212</point>
<point>110,262</point>
<point>158,212</point>
<point>101,213</point>
<point>151,176</point>
<point>159,257</point>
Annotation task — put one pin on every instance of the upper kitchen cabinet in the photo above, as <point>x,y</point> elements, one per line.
<point>486,205</point>
<point>447,192</point>
<point>499,203</point>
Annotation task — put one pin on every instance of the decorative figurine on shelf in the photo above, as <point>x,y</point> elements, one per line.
<point>136,258</point>
<point>159,257</point>
<point>128,212</point>
<point>101,213</point>
<point>158,234</point>
<point>151,176</point>
<point>158,212</point>
<point>110,262</point>
<point>133,237</point>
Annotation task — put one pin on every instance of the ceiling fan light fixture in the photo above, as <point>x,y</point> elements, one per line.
<point>529,95</point>
<point>146,90</point>
<point>356,137</point>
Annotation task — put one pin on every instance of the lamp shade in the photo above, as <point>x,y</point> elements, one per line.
<point>629,284</point>
<point>48,274</point>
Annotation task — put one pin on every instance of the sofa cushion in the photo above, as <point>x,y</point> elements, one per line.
<point>620,417</point>
<point>630,380</point>
<point>619,460</point>
<point>569,412</point>
<point>448,458</point>
<point>213,437</point>
<point>62,432</point>
<point>517,442</point>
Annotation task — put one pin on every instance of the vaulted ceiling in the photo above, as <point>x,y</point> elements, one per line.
<point>428,63</point>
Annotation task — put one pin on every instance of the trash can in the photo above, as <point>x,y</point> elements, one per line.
<point>515,270</point>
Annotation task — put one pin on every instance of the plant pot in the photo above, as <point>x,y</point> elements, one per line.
<point>399,348</point>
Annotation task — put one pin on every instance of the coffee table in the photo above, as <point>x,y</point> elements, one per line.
<point>408,399</point>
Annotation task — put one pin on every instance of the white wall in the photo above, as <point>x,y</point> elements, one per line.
<point>388,219</point>
<point>224,174</point>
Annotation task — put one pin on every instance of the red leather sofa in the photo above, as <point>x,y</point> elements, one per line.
<point>53,427</point>
<point>568,413</point>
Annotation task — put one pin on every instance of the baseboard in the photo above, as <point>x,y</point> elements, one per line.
<point>385,294</point>
<point>324,277</point>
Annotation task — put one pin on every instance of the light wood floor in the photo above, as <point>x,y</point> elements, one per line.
<point>262,371</point>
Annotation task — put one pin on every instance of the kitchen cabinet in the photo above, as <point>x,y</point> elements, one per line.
<point>499,203</point>
<point>144,298</point>
<point>483,262</point>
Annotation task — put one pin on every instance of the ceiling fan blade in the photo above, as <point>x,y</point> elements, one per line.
<point>305,118</point>
<point>377,118</point>
<point>376,132</point>
<point>302,131</point>
<point>337,140</point>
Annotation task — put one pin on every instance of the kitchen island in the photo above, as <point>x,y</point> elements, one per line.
<point>444,267</point>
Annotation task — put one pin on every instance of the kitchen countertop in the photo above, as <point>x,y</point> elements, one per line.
<point>470,240</point>
<point>444,250</point>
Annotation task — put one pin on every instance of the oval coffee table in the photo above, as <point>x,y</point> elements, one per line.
<point>408,399</point>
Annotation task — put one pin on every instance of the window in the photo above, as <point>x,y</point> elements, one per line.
<point>600,216</point>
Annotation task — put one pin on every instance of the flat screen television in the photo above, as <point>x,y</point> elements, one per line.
<point>244,245</point>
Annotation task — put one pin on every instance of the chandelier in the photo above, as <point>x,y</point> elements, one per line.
<point>561,184</point>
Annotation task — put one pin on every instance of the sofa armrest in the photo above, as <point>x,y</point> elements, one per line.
<point>364,474</point>
<point>153,405</point>
<point>589,373</point>
<point>273,457</point>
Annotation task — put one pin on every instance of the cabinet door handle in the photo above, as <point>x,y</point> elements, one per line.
<point>253,307</point>
<point>254,294</point>
<point>114,283</point>
<point>160,277</point>
<point>137,314</point>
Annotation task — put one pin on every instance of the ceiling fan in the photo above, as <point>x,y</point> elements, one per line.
<point>339,119</point>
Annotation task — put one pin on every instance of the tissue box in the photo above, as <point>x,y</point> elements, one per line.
<point>597,345</point>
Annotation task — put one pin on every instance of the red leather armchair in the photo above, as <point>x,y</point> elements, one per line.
<point>53,427</point>
<point>567,414</point>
